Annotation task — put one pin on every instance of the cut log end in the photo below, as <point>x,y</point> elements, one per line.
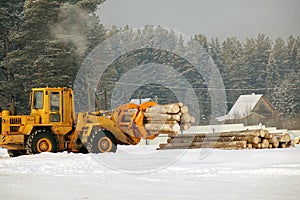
<point>184,109</point>
<point>186,118</point>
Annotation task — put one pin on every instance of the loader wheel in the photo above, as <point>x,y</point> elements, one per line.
<point>101,141</point>
<point>41,141</point>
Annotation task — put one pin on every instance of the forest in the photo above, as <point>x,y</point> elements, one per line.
<point>43,43</point>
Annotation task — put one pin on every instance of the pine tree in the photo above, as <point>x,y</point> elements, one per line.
<point>272,73</point>
<point>202,39</point>
<point>231,53</point>
<point>280,56</point>
<point>297,92</point>
<point>282,77</point>
<point>214,50</point>
<point>180,47</point>
<point>45,58</point>
<point>255,60</point>
<point>284,98</point>
<point>292,55</point>
<point>10,25</point>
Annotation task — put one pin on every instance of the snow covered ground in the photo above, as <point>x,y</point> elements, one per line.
<point>141,172</point>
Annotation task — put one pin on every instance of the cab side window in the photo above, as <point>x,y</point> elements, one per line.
<point>54,101</point>
<point>54,106</point>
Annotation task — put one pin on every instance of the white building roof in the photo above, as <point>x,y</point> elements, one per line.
<point>242,107</point>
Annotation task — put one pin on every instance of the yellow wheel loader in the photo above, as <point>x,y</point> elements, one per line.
<point>53,126</point>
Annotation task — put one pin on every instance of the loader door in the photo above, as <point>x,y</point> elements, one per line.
<point>55,108</point>
<point>59,111</point>
<point>38,102</point>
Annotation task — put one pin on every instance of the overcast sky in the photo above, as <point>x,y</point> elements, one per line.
<point>214,18</point>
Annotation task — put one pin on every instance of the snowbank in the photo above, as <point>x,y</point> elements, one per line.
<point>141,172</point>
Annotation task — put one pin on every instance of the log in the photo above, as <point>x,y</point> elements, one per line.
<point>270,146</point>
<point>162,146</point>
<point>193,119</point>
<point>254,140</point>
<point>274,141</point>
<point>184,109</point>
<point>168,108</point>
<point>283,145</point>
<point>220,145</point>
<point>182,141</point>
<point>262,133</point>
<point>268,135</point>
<point>257,146</point>
<point>162,132</point>
<point>285,137</point>
<point>265,144</point>
<point>226,145</point>
<point>160,122</point>
<point>186,118</point>
<point>249,146</point>
<point>162,117</point>
<point>296,140</point>
<point>185,126</point>
<point>229,134</point>
<point>169,140</point>
<point>163,127</point>
<point>290,144</point>
<point>206,139</point>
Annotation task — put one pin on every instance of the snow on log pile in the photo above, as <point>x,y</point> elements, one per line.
<point>248,139</point>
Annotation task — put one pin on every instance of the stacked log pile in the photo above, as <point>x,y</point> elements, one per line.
<point>249,139</point>
<point>170,118</point>
<point>162,119</point>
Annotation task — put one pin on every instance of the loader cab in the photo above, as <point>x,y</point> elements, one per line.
<point>54,106</point>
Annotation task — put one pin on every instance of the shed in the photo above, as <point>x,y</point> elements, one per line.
<point>251,110</point>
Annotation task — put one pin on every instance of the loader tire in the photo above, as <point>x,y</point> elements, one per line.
<point>101,141</point>
<point>16,153</point>
<point>41,141</point>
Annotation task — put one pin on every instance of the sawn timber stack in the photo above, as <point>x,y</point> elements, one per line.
<point>248,139</point>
